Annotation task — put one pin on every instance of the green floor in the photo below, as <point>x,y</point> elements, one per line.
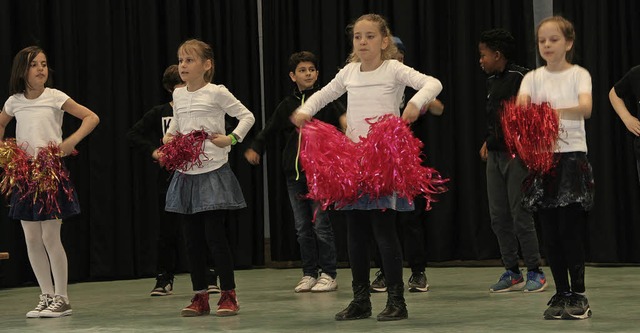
<point>459,301</point>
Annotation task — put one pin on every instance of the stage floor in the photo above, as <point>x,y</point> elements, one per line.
<point>459,301</point>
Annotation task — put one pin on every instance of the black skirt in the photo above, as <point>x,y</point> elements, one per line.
<point>570,181</point>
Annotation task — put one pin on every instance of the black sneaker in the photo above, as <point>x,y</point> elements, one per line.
<point>418,283</point>
<point>577,307</point>
<point>556,306</point>
<point>379,285</point>
<point>164,285</point>
<point>212,282</point>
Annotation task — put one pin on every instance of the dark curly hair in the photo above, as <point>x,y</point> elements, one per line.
<point>499,40</point>
<point>302,56</point>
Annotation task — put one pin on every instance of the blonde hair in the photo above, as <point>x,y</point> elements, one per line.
<point>203,50</point>
<point>567,29</point>
<point>390,51</point>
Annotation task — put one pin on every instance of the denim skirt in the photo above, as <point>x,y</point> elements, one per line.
<point>214,190</point>
<point>28,209</point>
<point>387,202</point>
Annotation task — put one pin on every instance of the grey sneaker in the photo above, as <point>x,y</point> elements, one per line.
<point>509,281</point>
<point>576,307</point>
<point>58,308</point>
<point>556,306</point>
<point>379,285</point>
<point>418,282</point>
<point>45,300</point>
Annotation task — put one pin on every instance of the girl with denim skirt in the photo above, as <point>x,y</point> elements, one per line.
<point>206,191</point>
<point>374,82</point>
<point>39,111</point>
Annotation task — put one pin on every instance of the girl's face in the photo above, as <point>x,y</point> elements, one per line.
<point>37,72</point>
<point>192,67</point>
<point>552,44</point>
<point>368,43</point>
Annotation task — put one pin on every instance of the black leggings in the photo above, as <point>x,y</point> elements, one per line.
<point>563,229</point>
<point>200,229</point>
<point>362,225</point>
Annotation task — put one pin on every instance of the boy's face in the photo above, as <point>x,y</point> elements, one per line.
<point>488,59</point>
<point>305,75</point>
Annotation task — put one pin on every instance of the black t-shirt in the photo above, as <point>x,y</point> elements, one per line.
<point>628,89</point>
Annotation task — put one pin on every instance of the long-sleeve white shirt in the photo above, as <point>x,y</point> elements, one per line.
<point>205,109</point>
<point>373,93</point>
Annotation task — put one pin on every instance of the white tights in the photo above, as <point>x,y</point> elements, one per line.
<point>47,255</point>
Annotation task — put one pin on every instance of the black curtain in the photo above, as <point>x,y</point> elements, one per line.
<point>109,56</point>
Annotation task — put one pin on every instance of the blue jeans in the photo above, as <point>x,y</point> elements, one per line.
<point>317,244</point>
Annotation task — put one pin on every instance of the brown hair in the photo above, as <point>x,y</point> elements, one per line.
<point>203,50</point>
<point>567,29</point>
<point>21,62</point>
<point>171,78</point>
<point>390,51</point>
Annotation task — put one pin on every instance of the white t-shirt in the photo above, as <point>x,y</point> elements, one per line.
<point>205,109</point>
<point>561,90</point>
<point>39,120</point>
<point>374,93</point>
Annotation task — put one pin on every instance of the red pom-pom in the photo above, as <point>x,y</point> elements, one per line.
<point>47,175</point>
<point>531,132</point>
<point>184,151</point>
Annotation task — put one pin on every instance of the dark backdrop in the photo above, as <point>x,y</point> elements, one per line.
<point>109,56</point>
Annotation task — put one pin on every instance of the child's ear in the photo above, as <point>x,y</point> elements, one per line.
<point>292,76</point>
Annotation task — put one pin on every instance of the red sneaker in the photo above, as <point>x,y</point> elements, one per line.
<point>199,306</point>
<point>228,304</point>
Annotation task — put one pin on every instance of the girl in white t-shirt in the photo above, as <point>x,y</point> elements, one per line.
<point>374,82</point>
<point>39,111</point>
<point>206,192</point>
<point>562,196</point>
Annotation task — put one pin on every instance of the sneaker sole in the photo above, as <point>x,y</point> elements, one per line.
<point>226,313</point>
<point>159,293</point>
<point>515,287</point>
<point>324,290</point>
<point>416,289</point>
<point>56,314</point>
<point>33,314</point>
<point>365,316</point>
<point>550,317</point>
<point>543,288</point>
<point>378,290</point>
<point>191,313</point>
<point>585,315</point>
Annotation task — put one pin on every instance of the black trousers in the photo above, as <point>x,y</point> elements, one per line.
<point>200,229</point>
<point>563,229</point>
<point>362,227</point>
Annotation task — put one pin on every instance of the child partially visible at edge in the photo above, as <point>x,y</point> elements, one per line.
<point>39,111</point>
<point>205,193</point>
<point>375,82</point>
<point>563,195</point>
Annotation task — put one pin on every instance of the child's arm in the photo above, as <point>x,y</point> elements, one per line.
<point>632,123</point>
<point>583,110</point>
<point>89,121</point>
<point>436,108</point>
<point>4,121</point>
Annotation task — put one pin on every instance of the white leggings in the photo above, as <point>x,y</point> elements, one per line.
<point>47,255</point>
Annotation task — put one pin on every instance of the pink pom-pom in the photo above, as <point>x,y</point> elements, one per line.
<point>184,151</point>
<point>330,162</point>
<point>388,160</point>
<point>531,132</point>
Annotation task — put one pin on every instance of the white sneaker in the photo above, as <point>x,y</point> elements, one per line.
<point>325,283</point>
<point>305,284</point>
<point>45,300</point>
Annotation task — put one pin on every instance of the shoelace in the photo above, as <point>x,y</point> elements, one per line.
<point>57,303</point>
<point>226,297</point>
<point>44,302</point>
